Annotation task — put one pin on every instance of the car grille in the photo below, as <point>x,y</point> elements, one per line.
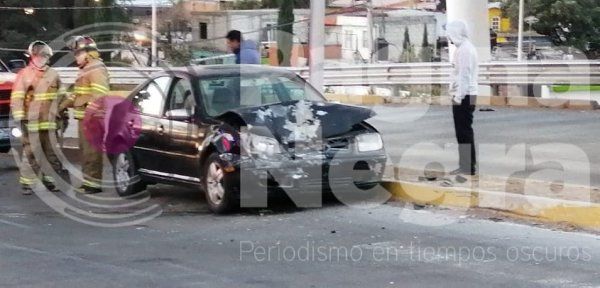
<point>329,146</point>
<point>338,143</point>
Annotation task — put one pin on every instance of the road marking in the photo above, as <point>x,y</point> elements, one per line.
<point>14,224</point>
<point>63,256</point>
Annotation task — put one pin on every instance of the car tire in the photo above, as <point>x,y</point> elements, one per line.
<point>125,175</point>
<point>219,186</point>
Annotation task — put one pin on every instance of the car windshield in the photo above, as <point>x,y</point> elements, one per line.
<point>229,92</point>
<point>3,67</point>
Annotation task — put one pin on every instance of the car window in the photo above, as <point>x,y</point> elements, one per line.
<point>221,94</point>
<point>163,83</point>
<point>151,99</point>
<point>182,96</point>
<point>293,89</point>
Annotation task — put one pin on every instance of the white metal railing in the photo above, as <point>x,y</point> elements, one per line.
<point>211,60</point>
<point>494,73</point>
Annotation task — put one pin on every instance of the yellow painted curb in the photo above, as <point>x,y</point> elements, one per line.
<point>580,214</point>
<point>494,101</point>
<point>588,217</point>
<point>356,100</point>
<point>123,94</point>
<point>430,195</point>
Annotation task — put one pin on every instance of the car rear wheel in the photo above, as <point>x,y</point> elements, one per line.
<point>127,180</point>
<point>218,187</point>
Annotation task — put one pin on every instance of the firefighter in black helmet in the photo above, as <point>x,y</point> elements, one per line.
<point>91,86</point>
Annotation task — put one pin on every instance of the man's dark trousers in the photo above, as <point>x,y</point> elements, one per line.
<point>463,125</point>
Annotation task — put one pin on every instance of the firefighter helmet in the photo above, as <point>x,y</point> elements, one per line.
<point>83,43</point>
<point>39,48</point>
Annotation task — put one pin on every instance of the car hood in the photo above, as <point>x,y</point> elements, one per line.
<point>303,120</point>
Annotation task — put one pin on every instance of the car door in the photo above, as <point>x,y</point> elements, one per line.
<point>152,142</point>
<point>184,132</point>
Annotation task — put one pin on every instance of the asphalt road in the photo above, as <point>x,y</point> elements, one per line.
<point>538,140</point>
<point>334,246</point>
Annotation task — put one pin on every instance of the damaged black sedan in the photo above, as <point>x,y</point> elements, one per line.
<point>239,131</point>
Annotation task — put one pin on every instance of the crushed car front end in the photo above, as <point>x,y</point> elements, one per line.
<point>336,163</point>
<point>312,151</point>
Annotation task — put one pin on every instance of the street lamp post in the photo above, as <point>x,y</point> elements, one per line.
<point>317,43</point>
<point>521,20</point>
<point>154,41</point>
<point>370,25</point>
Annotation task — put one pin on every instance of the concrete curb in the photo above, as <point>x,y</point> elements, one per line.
<point>580,214</point>
<point>494,101</point>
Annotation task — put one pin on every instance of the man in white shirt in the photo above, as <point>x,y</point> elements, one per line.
<point>464,93</point>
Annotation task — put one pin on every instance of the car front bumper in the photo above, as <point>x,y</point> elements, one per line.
<point>319,175</point>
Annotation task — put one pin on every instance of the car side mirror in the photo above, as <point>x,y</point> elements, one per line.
<point>179,115</point>
<point>142,95</point>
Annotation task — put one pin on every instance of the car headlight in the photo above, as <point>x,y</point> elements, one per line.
<point>16,132</point>
<point>263,145</point>
<point>369,142</point>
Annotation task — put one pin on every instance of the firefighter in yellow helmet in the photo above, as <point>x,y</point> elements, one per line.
<point>35,89</point>
<point>91,86</point>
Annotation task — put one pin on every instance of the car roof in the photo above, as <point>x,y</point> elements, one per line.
<point>208,71</point>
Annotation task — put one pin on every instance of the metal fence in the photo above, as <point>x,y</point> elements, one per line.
<point>495,73</point>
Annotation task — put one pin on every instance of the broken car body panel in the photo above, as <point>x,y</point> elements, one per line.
<point>305,120</point>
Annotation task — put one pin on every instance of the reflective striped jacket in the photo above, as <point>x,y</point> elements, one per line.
<point>32,96</point>
<point>91,85</point>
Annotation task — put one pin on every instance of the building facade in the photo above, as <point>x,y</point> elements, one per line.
<point>500,24</point>
<point>210,27</point>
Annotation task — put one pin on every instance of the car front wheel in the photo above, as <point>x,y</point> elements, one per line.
<point>218,186</point>
<point>127,180</point>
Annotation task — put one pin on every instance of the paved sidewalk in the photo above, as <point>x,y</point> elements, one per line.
<point>514,185</point>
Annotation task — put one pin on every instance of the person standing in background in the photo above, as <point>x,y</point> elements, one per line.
<point>246,51</point>
<point>464,93</point>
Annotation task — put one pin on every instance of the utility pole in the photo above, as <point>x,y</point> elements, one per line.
<point>475,15</point>
<point>317,44</point>
<point>521,20</point>
<point>154,35</point>
<point>370,37</point>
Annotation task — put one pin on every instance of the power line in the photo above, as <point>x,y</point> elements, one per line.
<point>341,11</point>
<point>55,51</point>
<point>61,8</point>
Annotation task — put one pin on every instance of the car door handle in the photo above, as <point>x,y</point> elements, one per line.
<point>160,129</point>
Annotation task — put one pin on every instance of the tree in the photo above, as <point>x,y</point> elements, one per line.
<point>275,3</point>
<point>581,19</point>
<point>426,48</point>
<point>441,6</point>
<point>285,32</point>
<point>247,5</point>
<point>408,53</point>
